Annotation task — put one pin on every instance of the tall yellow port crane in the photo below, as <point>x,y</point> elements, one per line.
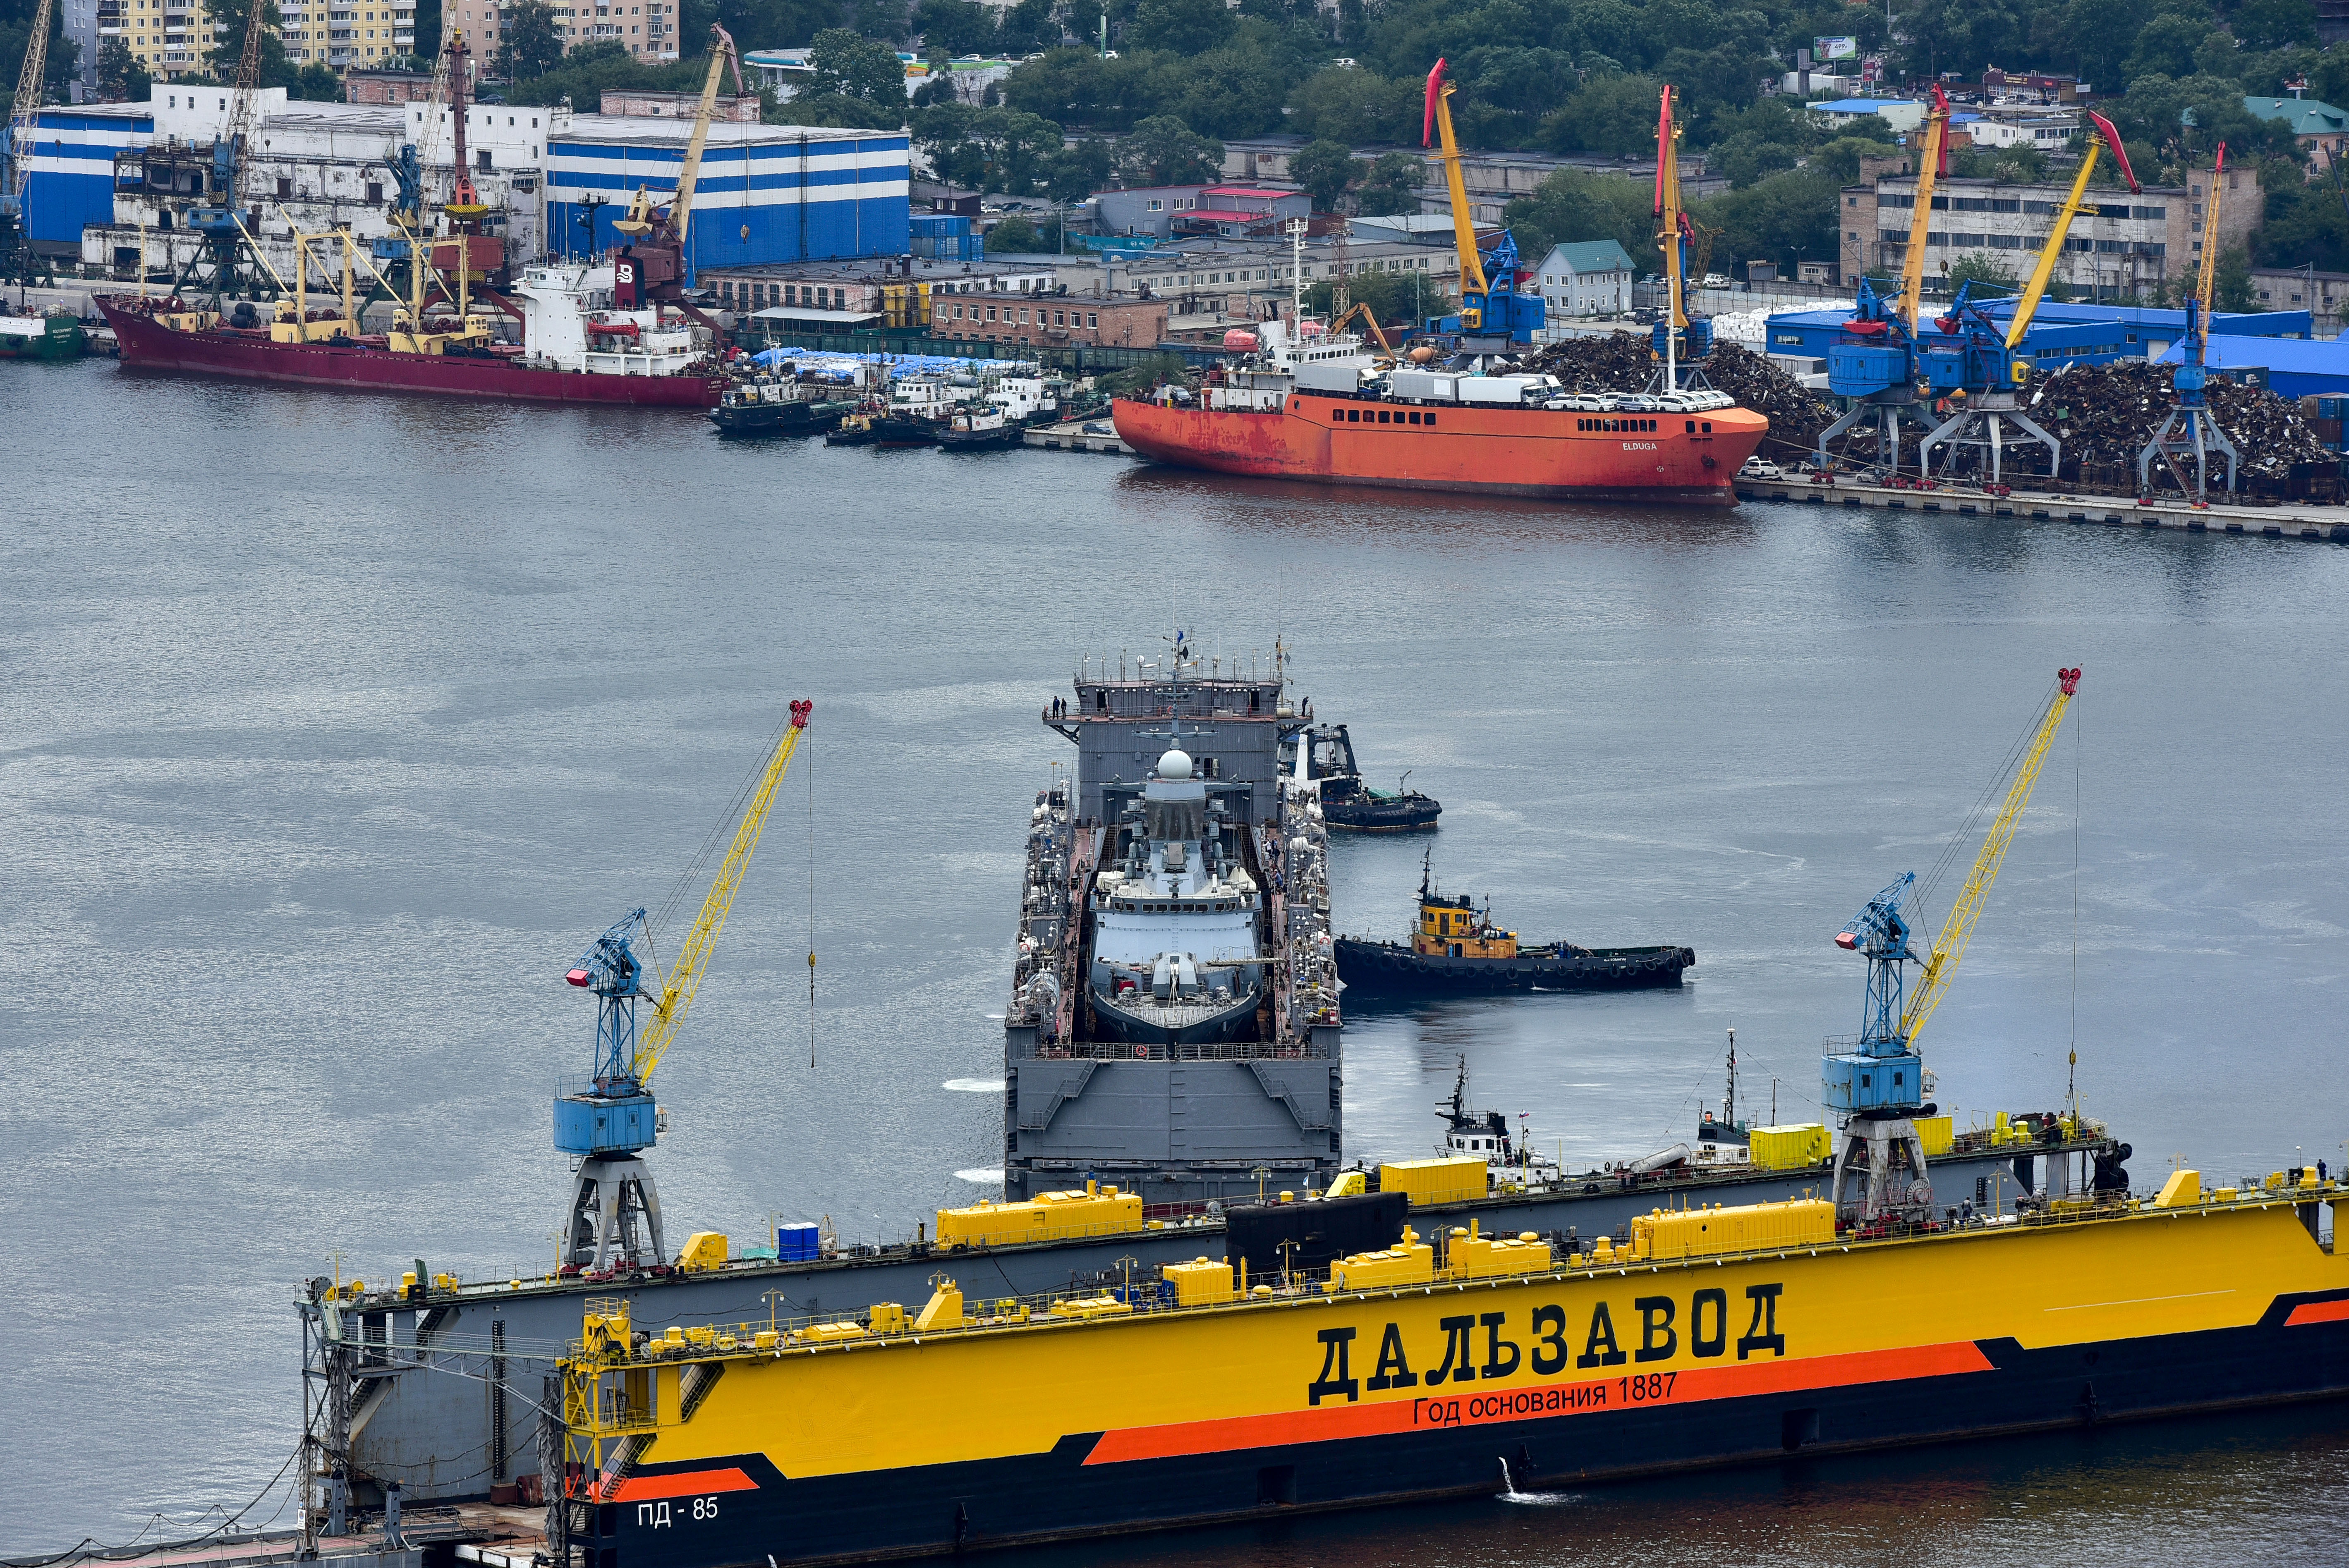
<point>654,267</point>
<point>1878,1081</point>
<point>614,1221</point>
<point>1932,162</point>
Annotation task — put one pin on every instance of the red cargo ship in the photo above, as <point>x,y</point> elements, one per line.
<point>1617,449</point>
<point>247,353</point>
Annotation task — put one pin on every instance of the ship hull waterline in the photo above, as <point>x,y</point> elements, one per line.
<point>148,345</point>
<point>1389,969</point>
<point>1533,453</point>
<point>906,1449</point>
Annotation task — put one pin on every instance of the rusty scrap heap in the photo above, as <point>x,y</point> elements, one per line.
<point>2105,414</point>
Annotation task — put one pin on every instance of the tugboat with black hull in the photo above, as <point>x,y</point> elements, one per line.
<point>1457,950</point>
<point>1348,802</point>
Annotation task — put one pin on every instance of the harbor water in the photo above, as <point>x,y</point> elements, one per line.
<point>334,726</point>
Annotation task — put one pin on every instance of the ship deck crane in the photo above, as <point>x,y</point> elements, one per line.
<point>24,126</point>
<point>1878,1081</point>
<point>1493,314</point>
<point>2201,433</point>
<point>651,267</point>
<point>614,1219</point>
<point>1679,335</point>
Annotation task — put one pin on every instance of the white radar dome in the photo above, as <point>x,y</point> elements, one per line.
<point>1174,764</point>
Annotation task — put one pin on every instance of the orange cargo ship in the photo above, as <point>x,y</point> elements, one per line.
<point>1560,454</point>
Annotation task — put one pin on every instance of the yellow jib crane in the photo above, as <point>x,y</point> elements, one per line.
<point>1932,154</point>
<point>639,219</point>
<point>2028,305</point>
<point>1438,127</point>
<point>1950,945</point>
<point>614,1221</point>
<point>1878,1081</point>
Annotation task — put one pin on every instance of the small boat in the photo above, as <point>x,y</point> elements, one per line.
<point>917,411</point>
<point>768,407</point>
<point>56,336</point>
<point>970,429</point>
<point>1457,949</point>
<point>854,430</point>
<point>1348,802</point>
<point>1510,1160</point>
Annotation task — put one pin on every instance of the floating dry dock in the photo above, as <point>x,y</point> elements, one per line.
<point>1717,1336</point>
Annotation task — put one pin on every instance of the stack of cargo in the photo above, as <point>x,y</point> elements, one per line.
<point>2324,415</point>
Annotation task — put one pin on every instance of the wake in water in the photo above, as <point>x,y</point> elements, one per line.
<point>975,1086</point>
<point>984,1177</point>
<point>1509,1492</point>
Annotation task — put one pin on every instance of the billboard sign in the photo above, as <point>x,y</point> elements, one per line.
<point>1834,49</point>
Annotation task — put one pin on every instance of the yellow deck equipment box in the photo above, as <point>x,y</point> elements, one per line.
<point>1409,1261</point>
<point>1469,1255</point>
<point>1790,1148</point>
<point>1048,1217</point>
<point>1755,1227</point>
<point>1429,1181</point>
<point>1202,1282</point>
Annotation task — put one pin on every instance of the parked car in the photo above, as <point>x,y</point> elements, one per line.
<point>1101,427</point>
<point>1713,281</point>
<point>1761,469</point>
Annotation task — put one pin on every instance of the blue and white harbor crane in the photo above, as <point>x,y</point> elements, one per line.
<point>614,1219</point>
<point>1878,1082</point>
<point>2200,435</point>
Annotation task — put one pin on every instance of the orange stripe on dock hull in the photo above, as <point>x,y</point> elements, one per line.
<point>689,1483</point>
<point>1498,1405</point>
<point>2318,1312</point>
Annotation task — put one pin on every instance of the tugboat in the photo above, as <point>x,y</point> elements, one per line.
<point>1348,802</point>
<point>1511,1162</point>
<point>1457,949</point>
<point>854,430</point>
<point>765,407</point>
<point>917,413</point>
<point>971,429</point>
<point>1178,952</point>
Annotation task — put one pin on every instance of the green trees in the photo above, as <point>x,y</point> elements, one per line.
<point>1163,151</point>
<point>1391,185</point>
<point>1000,149</point>
<point>1013,236</point>
<point>1573,207</point>
<point>1179,27</point>
<point>529,46</point>
<point>845,65</point>
<point>120,77</point>
<point>1326,169</point>
<point>1981,268</point>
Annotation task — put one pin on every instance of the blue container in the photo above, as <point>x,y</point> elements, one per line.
<point>1698,341</point>
<point>798,1243</point>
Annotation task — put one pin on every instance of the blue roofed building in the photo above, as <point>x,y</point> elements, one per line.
<point>1901,114</point>
<point>2296,368</point>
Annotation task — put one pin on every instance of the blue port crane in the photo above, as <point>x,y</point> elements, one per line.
<point>614,1221</point>
<point>1878,1081</point>
<point>2200,435</point>
<point>1491,308</point>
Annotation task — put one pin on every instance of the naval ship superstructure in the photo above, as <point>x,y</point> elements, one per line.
<point>1173,1027</point>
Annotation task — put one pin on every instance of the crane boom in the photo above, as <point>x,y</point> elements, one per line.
<point>25,110</point>
<point>721,52</point>
<point>244,112</point>
<point>1932,159</point>
<point>1950,947</point>
<point>2204,284</point>
<point>685,979</point>
<point>1672,221</point>
<point>2028,305</point>
<point>1438,128</point>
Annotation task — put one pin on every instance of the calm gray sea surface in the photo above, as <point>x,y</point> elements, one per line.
<point>332,727</point>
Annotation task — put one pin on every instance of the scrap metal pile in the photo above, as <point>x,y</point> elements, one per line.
<point>1622,362</point>
<point>2105,414</point>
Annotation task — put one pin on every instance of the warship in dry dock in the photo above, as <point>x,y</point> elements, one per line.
<point>1173,1027</point>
